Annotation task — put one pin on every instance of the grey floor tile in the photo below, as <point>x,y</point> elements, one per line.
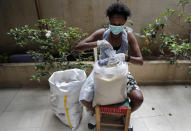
<point>34,91</point>
<point>4,104</point>
<point>179,102</point>
<point>149,107</point>
<point>29,120</point>
<point>8,92</point>
<point>30,98</point>
<point>175,108</point>
<point>157,93</point>
<point>161,94</point>
<point>135,115</point>
<point>28,109</point>
<point>27,129</point>
<point>138,124</point>
<point>24,103</point>
<point>40,100</point>
<point>22,120</point>
<point>180,122</point>
<point>9,120</point>
<point>169,99</point>
<point>6,97</point>
<point>52,123</point>
<point>158,123</point>
<point>84,122</point>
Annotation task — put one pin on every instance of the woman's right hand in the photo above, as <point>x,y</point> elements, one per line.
<point>104,44</point>
<point>92,41</point>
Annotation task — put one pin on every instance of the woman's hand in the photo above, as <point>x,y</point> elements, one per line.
<point>117,58</point>
<point>91,41</point>
<point>104,44</point>
<point>120,57</point>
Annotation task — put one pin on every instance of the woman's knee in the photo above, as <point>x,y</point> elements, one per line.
<point>138,100</point>
<point>136,97</point>
<point>86,103</point>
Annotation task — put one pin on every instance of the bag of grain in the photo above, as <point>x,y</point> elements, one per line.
<point>65,89</point>
<point>110,83</point>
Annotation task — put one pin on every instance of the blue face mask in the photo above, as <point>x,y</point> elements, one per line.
<point>116,29</point>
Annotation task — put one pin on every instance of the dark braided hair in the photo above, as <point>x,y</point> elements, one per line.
<point>118,8</point>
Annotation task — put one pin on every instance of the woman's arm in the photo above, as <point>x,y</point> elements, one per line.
<point>137,59</point>
<point>91,41</point>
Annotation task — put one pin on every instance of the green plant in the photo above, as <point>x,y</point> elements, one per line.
<point>151,32</point>
<point>167,40</point>
<point>55,44</point>
<point>179,47</point>
<point>187,19</point>
<point>146,51</point>
<point>155,34</point>
<point>183,3</point>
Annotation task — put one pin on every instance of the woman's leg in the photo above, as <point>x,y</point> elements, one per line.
<point>134,93</point>
<point>92,120</point>
<point>88,105</point>
<point>136,98</point>
<point>87,92</point>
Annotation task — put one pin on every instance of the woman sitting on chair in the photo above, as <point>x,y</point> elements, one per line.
<point>119,39</point>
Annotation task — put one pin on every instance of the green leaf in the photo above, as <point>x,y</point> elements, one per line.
<point>54,49</point>
<point>187,19</point>
<point>180,14</point>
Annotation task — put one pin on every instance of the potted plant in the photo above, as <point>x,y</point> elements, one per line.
<point>158,41</point>
<point>53,42</point>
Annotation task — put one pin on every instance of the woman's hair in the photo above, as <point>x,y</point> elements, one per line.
<point>118,8</point>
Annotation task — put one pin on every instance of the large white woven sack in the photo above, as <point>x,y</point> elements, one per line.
<point>110,84</point>
<point>65,89</point>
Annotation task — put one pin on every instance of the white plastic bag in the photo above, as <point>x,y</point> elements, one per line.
<point>65,88</point>
<point>110,83</point>
<point>87,90</point>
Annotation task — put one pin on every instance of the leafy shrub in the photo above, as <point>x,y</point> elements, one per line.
<point>55,44</point>
<point>154,33</point>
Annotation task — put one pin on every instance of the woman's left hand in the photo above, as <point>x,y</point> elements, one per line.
<point>117,58</point>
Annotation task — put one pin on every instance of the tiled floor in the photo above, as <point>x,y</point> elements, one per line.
<point>165,108</point>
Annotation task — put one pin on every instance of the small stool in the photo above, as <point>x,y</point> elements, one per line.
<point>122,109</point>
